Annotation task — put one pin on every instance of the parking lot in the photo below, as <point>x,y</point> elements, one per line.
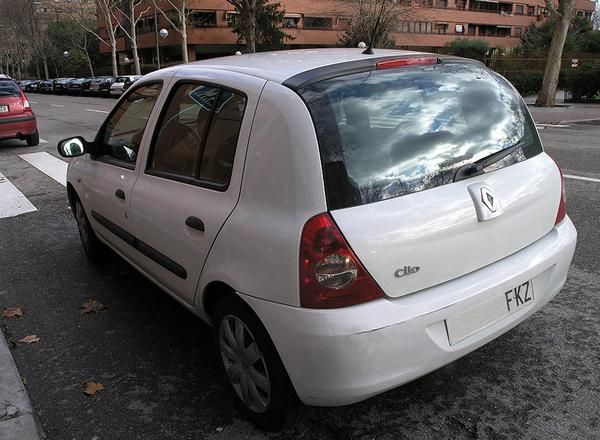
<point>156,361</point>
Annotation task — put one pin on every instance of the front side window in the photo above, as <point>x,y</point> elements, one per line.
<point>197,136</point>
<point>388,133</point>
<point>124,129</point>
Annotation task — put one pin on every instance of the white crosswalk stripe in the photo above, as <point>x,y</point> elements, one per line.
<point>12,201</point>
<point>49,165</point>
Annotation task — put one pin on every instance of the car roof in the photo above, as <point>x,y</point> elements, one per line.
<point>279,66</point>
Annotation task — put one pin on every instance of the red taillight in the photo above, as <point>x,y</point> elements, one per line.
<point>391,64</point>
<point>26,104</point>
<point>562,205</point>
<point>330,274</point>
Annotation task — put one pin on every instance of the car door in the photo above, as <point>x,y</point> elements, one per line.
<point>108,178</point>
<point>192,179</point>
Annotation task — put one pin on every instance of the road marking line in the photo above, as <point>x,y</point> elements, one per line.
<point>32,102</point>
<point>56,105</point>
<point>12,201</point>
<point>587,179</point>
<point>43,141</point>
<point>97,111</point>
<point>541,125</point>
<point>49,165</point>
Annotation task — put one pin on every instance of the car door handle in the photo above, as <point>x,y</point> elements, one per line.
<point>195,223</point>
<point>120,194</point>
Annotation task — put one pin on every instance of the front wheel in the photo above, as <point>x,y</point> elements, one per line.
<point>252,368</point>
<point>92,247</point>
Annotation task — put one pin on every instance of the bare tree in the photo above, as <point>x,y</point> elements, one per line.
<point>132,15</point>
<point>562,15</point>
<point>83,14</point>
<point>107,9</point>
<point>178,22</point>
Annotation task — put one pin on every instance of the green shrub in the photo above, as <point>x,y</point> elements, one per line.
<point>527,83</point>
<point>469,48</point>
<point>584,81</point>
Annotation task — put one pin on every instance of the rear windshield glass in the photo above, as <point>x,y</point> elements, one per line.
<point>9,88</point>
<point>388,133</point>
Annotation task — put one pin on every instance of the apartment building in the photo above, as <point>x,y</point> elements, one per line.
<point>312,23</point>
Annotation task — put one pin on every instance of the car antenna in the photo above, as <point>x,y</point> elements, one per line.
<point>369,49</point>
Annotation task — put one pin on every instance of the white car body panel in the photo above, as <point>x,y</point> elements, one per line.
<point>438,229</point>
<point>161,206</point>
<point>283,187</point>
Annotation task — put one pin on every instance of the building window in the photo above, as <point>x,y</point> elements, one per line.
<point>519,10</point>
<point>531,11</point>
<point>503,31</point>
<point>471,29</point>
<point>417,27</point>
<point>461,4</point>
<point>544,12</point>
<point>484,6</point>
<point>505,8</point>
<point>231,17</point>
<point>580,13</point>
<point>203,19</point>
<point>441,28</point>
<point>518,32</point>
<point>317,23</point>
<point>290,22</point>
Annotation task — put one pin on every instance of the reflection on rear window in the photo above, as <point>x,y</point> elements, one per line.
<point>388,133</point>
<point>9,88</point>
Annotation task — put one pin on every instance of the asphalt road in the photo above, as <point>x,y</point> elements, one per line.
<point>156,361</point>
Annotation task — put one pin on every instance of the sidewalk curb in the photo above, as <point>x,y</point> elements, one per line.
<point>17,419</point>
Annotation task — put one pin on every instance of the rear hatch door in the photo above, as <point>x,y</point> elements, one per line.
<point>11,101</point>
<point>392,142</point>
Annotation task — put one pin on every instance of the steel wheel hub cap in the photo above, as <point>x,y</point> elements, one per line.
<point>244,363</point>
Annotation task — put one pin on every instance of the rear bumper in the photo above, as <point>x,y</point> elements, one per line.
<point>338,357</point>
<point>17,126</point>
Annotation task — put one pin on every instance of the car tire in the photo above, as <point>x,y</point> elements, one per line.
<point>93,248</point>
<point>33,139</point>
<point>269,399</point>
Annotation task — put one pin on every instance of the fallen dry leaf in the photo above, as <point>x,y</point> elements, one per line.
<point>11,312</point>
<point>91,306</point>
<point>29,339</point>
<point>92,388</point>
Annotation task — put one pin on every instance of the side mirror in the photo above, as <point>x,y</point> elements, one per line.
<point>72,147</point>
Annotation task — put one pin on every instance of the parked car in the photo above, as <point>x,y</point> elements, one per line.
<point>118,87</point>
<point>17,120</point>
<point>75,86</point>
<point>94,88</point>
<point>60,85</point>
<point>345,222</point>
<point>85,86</point>
<point>46,86</point>
<point>31,86</point>
<point>105,85</point>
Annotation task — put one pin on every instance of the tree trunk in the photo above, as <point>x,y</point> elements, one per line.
<point>115,68</point>
<point>87,54</point>
<point>547,95</point>
<point>184,48</point>
<point>46,73</point>
<point>136,57</point>
<point>37,70</point>
<point>251,37</point>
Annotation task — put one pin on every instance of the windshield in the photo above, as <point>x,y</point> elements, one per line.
<point>9,88</point>
<point>387,133</point>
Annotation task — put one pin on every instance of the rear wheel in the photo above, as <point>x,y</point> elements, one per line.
<point>33,139</point>
<point>252,368</point>
<point>92,247</point>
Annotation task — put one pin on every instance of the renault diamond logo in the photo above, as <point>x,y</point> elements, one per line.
<point>488,199</point>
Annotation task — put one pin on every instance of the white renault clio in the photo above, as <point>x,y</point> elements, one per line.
<point>345,222</point>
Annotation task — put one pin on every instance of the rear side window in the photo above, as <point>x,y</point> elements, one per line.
<point>388,133</point>
<point>197,136</point>
<point>9,88</point>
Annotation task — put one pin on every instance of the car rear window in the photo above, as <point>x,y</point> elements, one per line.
<point>9,88</point>
<point>388,133</point>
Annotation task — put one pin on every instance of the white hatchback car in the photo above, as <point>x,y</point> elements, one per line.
<point>116,89</point>
<point>345,222</point>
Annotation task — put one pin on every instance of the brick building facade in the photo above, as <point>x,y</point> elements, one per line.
<point>429,24</point>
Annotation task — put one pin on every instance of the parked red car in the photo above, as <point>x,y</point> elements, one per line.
<point>17,120</point>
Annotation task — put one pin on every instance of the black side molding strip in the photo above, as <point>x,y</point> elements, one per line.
<point>142,247</point>
<point>15,119</point>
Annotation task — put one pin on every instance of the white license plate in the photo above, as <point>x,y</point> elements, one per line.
<point>3,109</point>
<point>486,313</point>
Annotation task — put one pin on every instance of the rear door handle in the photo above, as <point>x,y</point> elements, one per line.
<point>120,194</point>
<point>195,223</point>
